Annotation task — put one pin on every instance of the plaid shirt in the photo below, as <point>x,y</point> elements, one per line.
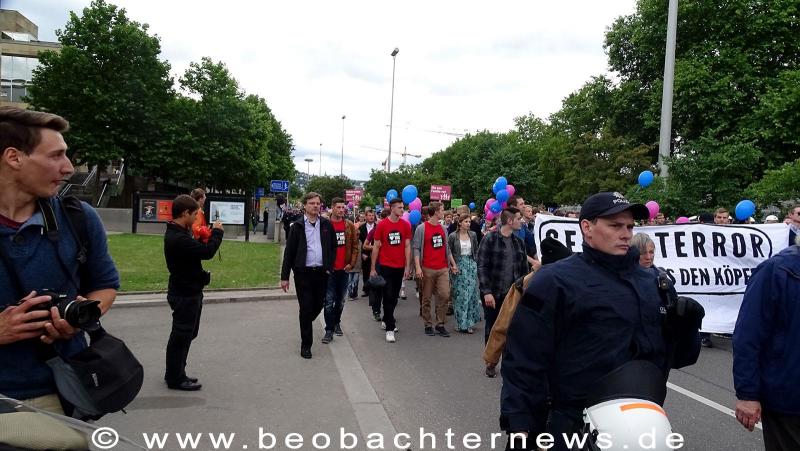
<point>497,268</point>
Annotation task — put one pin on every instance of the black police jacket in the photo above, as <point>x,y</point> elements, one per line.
<point>183,255</point>
<point>579,319</point>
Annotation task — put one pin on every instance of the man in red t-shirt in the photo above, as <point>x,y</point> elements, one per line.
<point>344,260</point>
<point>391,255</point>
<point>431,257</point>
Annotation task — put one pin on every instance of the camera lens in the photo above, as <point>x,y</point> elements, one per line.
<point>82,314</point>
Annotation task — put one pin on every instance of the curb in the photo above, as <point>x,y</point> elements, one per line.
<point>163,302</point>
<point>212,290</point>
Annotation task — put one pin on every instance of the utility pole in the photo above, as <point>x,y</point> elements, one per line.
<point>341,163</point>
<point>665,139</point>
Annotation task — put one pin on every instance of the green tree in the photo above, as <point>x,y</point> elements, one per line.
<point>109,82</point>
<point>777,186</point>
<point>329,186</point>
<point>234,142</point>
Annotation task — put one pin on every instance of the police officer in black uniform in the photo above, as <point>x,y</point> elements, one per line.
<point>584,316</point>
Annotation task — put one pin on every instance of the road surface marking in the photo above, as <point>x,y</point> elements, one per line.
<point>370,413</point>
<point>705,401</point>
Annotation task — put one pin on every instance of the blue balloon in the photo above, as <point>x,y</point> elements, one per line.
<point>414,217</point>
<point>745,209</point>
<point>499,184</point>
<point>502,195</point>
<point>409,194</point>
<point>472,205</point>
<point>391,194</point>
<point>646,179</point>
<point>496,207</point>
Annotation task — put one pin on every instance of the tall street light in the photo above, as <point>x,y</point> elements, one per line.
<point>341,163</point>
<point>308,166</point>
<point>320,159</point>
<point>665,139</point>
<point>391,111</point>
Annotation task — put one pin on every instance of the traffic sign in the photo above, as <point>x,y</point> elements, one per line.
<point>279,186</point>
<point>260,191</point>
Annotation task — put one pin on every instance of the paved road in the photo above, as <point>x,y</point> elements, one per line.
<point>247,358</point>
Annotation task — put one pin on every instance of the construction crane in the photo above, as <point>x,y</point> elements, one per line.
<point>404,154</point>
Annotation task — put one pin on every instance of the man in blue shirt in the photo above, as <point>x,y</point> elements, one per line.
<point>33,164</point>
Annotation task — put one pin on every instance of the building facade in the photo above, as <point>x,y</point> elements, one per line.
<point>19,55</point>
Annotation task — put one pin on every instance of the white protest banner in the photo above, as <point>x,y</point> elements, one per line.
<point>709,263</point>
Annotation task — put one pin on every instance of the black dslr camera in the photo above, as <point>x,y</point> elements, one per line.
<point>81,314</point>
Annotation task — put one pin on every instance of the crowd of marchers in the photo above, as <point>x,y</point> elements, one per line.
<point>560,325</point>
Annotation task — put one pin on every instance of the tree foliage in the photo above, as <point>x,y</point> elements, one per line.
<point>109,82</point>
<point>329,186</point>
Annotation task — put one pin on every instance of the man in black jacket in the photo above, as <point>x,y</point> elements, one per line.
<point>186,281</point>
<point>366,255</point>
<point>584,316</point>
<point>310,249</point>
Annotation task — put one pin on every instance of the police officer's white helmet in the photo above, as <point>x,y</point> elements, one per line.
<point>625,410</point>
<point>629,424</point>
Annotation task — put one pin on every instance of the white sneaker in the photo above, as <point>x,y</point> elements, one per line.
<point>383,326</point>
<point>390,337</point>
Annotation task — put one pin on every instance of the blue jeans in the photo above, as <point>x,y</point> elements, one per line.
<point>334,299</point>
<point>352,284</point>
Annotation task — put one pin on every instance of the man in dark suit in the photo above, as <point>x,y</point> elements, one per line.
<point>310,249</point>
<point>366,259</point>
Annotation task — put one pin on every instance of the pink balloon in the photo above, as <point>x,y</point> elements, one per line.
<point>490,201</point>
<point>504,204</point>
<point>682,220</point>
<point>415,204</point>
<point>511,190</point>
<point>405,216</point>
<point>350,204</point>
<point>489,215</point>
<point>653,207</point>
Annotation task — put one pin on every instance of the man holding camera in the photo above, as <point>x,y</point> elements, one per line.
<point>585,316</point>
<point>40,250</point>
<point>186,281</point>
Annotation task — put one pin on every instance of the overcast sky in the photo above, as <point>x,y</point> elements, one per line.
<point>463,66</point>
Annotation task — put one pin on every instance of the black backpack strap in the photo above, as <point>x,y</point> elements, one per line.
<point>76,218</point>
<point>76,224</point>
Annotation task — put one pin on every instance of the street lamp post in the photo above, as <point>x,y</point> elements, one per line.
<point>391,111</point>
<point>665,138</point>
<point>341,163</point>
<point>308,166</point>
<point>320,159</point>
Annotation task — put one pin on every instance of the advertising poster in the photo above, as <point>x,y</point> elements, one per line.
<point>455,203</point>
<point>164,210</point>
<point>147,210</point>
<point>226,212</point>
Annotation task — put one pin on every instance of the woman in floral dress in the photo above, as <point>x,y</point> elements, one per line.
<point>464,251</point>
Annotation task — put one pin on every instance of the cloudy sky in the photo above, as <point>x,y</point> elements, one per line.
<point>463,66</point>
